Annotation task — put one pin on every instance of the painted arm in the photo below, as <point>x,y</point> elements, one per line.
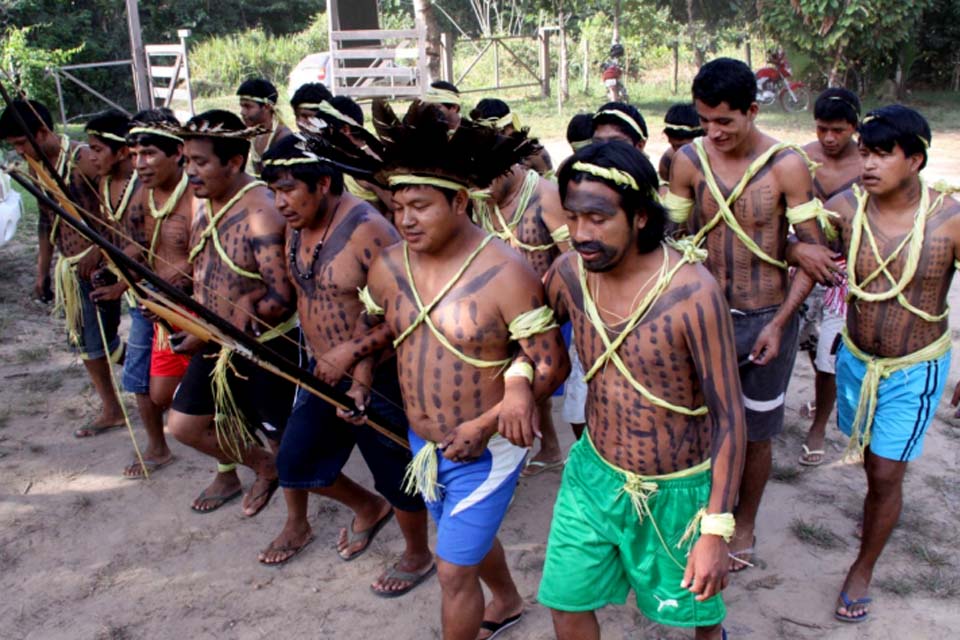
<point>267,241</point>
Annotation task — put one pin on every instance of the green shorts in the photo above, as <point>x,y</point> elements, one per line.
<point>599,549</point>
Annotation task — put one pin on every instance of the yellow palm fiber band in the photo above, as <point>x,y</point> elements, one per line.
<point>226,467</point>
<point>154,131</point>
<point>501,122</point>
<point>116,215</point>
<point>159,215</point>
<point>67,295</point>
<point>912,243</point>
<point>358,189</point>
<point>877,370</point>
<point>725,213</point>
<point>430,181</point>
<point>257,99</point>
<point>423,316</point>
<point>617,176</point>
<point>640,489</point>
<point>531,323</point>
<point>501,228</point>
<point>814,210</point>
<point>106,135</point>
<point>233,436</point>
<point>211,232</point>
<point>441,96</point>
<point>520,370</point>
<point>576,145</point>
<point>665,276</point>
<point>421,475</point>
<point>678,208</point>
<point>681,127</point>
<point>711,524</point>
<point>560,234</point>
<point>286,162</point>
<point>622,116</point>
<point>369,304</point>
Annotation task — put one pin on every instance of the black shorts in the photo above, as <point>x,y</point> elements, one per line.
<point>317,444</point>
<point>264,399</point>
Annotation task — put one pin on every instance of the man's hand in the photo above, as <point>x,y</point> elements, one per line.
<point>707,565</point>
<point>89,263</point>
<point>335,363</point>
<point>185,343</point>
<point>519,416</point>
<point>42,291</point>
<point>361,398</point>
<point>767,345</point>
<point>466,442</point>
<point>820,262</point>
<point>108,293</point>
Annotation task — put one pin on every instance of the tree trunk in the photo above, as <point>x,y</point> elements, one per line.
<point>692,33</point>
<point>423,12</point>
<point>616,21</point>
<point>564,63</point>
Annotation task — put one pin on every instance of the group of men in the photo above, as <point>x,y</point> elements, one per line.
<point>425,273</point>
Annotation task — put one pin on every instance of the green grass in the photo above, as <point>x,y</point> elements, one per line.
<point>816,535</point>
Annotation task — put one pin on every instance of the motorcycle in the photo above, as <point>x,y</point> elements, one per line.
<point>612,72</point>
<point>774,83</point>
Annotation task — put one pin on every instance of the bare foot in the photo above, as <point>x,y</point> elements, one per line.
<point>742,548</point>
<point>497,611</point>
<point>152,461</point>
<point>224,488</point>
<point>363,522</point>
<point>291,541</point>
<point>258,497</point>
<point>404,576</point>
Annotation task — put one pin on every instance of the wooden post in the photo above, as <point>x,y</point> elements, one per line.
<point>544,63</point>
<point>496,63</point>
<point>63,113</point>
<point>749,53</point>
<point>446,45</point>
<point>138,58</point>
<point>585,70</point>
<point>676,66</point>
<point>562,71</point>
<point>183,34</point>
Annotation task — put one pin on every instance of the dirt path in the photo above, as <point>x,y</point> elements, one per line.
<point>85,554</point>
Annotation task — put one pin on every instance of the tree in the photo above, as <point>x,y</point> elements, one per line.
<point>423,10</point>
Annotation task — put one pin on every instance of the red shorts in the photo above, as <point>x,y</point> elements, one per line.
<point>164,363</point>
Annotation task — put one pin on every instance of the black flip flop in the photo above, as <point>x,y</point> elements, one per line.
<point>285,548</point>
<point>266,495</point>
<point>92,431</point>
<point>219,500</point>
<point>499,627</point>
<point>367,535</point>
<point>407,576</point>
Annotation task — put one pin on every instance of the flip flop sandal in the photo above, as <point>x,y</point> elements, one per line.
<point>536,467</point>
<point>847,603</point>
<point>808,409</point>
<point>743,564</point>
<point>218,501</point>
<point>91,431</point>
<point>499,627</point>
<point>366,536</point>
<point>293,549</point>
<point>266,494</point>
<point>407,576</point>
<point>808,453</point>
<point>151,465</point>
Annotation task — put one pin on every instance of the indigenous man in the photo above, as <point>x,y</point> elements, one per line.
<point>902,240</point>
<point>332,238</point>
<point>619,121</point>
<point>307,101</point>
<point>681,125</point>
<point>258,108</point>
<point>665,456</point>
<point>495,113</point>
<point>447,98</point>
<point>161,213</point>
<point>347,116</point>
<point>79,259</point>
<point>523,209</point>
<point>836,112</point>
<point>580,131</point>
<point>456,322</point>
<point>240,274</point>
<point>119,189</point>
<point>739,182</point>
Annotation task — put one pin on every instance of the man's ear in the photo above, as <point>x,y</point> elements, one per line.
<point>460,202</point>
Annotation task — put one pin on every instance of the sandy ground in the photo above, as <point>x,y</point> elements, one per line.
<point>85,554</point>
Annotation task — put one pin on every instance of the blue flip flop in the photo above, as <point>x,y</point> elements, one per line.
<point>847,603</point>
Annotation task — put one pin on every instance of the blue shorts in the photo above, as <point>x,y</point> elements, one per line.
<point>136,364</point>
<point>316,443</point>
<point>474,499</point>
<point>90,346</point>
<point>906,403</point>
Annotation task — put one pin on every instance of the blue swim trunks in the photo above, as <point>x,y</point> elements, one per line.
<point>906,403</point>
<point>474,499</point>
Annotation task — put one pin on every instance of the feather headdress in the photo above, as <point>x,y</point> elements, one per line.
<point>421,150</point>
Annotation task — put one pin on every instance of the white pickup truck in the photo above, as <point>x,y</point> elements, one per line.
<point>11,208</point>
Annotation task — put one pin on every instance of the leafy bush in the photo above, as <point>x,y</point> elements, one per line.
<point>27,64</point>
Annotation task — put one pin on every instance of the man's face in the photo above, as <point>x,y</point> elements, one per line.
<point>452,114</point>
<point>886,171</point>
<point>676,143</point>
<point>299,206</point>
<point>23,147</point>
<point>834,136</point>
<point>726,128</point>
<point>208,177</point>
<point>304,116</point>
<point>599,228</point>
<point>153,166</point>
<point>254,113</point>
<point>607,132</point>
<point>425,218</point>
<point>103,157</point>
